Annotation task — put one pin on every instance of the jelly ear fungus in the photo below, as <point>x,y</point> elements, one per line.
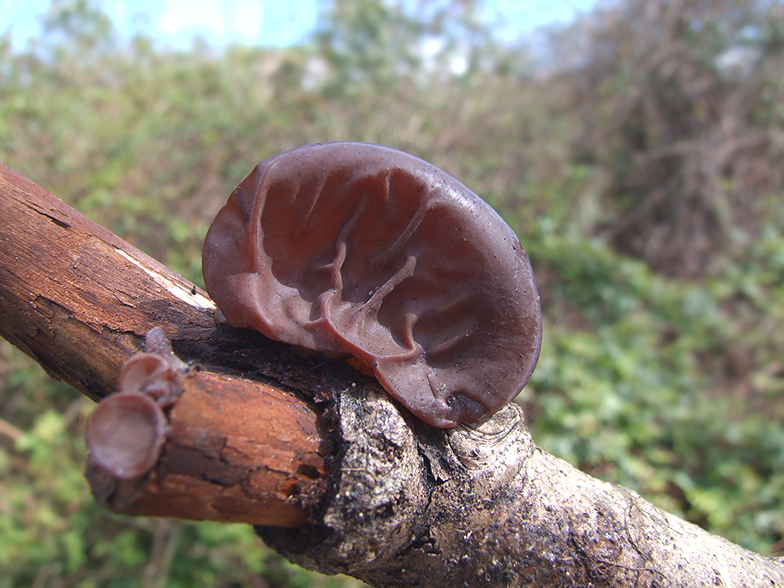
<point>365,250</point>
<point>127,431</point>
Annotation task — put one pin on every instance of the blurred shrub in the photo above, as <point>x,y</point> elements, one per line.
<point>625,387</point>
<point>682,107</point>
<point>640,172</point>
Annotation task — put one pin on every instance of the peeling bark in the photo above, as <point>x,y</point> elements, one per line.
<point>77,298</point>
<point>387,498</point>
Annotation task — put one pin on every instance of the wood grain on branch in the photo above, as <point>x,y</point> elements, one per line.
<point>77,298</point>
<point>260,430</point>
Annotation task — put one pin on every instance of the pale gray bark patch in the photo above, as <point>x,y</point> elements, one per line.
<point>481,505</point>
<point>379,500</point>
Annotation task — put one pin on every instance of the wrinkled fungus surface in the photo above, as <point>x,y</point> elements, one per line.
<point>361,249</point>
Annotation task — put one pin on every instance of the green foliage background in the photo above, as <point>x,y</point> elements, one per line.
<point>639,169</point>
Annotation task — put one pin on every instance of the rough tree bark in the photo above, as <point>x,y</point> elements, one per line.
<point>364,488</point>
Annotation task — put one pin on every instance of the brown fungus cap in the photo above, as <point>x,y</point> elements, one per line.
<point>126,434</point>
<point>361,249</point>
<point>151,374</point>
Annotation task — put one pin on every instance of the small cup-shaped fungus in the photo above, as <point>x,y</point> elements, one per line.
<point>360,249</point>
<point>126,434</point>
<point>151,374</point>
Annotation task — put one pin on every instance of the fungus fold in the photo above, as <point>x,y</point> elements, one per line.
<point>365,250</point>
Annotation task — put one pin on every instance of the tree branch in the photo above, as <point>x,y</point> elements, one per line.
<point>383,497</point>
<point>79,300</point>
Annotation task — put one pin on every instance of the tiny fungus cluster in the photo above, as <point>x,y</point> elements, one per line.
<point>363,250</point>
<point>127,431</point>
